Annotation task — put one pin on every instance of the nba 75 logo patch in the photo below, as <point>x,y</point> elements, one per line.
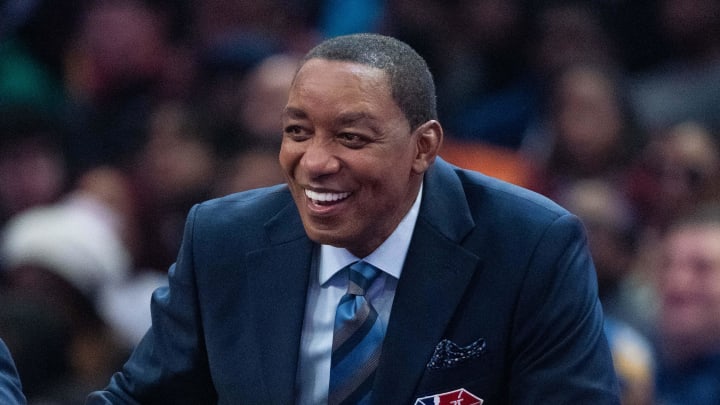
<point>457,397</point>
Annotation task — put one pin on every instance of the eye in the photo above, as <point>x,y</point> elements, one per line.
<point>352,140</point>
<point>296,132</point>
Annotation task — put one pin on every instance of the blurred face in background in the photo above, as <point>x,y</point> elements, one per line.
<point>685,170</point>
<point>32,172</point>
<point>690,291</point>
<point>587,119</point>
<point>118,44</point>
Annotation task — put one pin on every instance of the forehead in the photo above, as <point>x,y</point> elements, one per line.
<point>335,76</point>
<point>699,240</point>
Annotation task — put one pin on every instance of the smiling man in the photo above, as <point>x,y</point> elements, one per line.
<point>379,273</point>
<point>353,163</point>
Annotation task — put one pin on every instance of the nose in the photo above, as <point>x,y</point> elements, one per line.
<point>319,158</point>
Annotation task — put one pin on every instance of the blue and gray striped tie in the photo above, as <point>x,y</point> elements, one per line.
<point>357,340</point>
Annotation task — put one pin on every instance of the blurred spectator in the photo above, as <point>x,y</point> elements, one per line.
<point>587,131</point>
<point>261,99</point>
<point>610,223</point>
<point>245,104</point>
<point>175,169</point>
<point>686,85</point>
<point>676,172</point>
<point>678,169</point>
<point>252,168</point>
<point>57,260</point>
<point>120,45</point>
<point>689,321</point>
<point>263,95</point>
<point>511,53</point>
<point>33,164</point>
<point>232,40</point>
<point>120,63</point>
<point>568,33</point>
<point>112,189</point>
<point>73,304</point>
<point>122,304</point>
<point>484,81</point>
<point>77,238</point>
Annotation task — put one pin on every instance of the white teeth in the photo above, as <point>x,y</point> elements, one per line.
<point>325,197</point>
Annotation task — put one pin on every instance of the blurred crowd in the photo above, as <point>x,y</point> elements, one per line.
<point>117,115</point>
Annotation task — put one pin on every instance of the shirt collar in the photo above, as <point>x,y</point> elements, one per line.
<point>388,257</point>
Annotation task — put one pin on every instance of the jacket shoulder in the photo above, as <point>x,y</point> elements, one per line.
<point>488,194</point>
<point>256,204</point>
<point>250,215</point>
<point>510,193</point>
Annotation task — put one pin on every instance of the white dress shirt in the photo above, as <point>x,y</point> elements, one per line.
<point>328,285</point>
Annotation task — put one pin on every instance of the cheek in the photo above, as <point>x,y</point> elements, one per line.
<point>289,156</point>
<point>387,196</point>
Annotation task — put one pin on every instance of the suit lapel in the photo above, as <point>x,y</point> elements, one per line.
<point>280,283</point>
<point>435,275</point>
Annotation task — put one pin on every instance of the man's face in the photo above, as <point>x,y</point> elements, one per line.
<point>349,156</point>
<point>690,286</point>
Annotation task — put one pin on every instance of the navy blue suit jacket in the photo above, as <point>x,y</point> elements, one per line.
<point>10,388</point>
<point>488,263</point>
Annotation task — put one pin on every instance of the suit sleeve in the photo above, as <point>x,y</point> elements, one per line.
<point>559,351</point>
<point>10,388</point>
<point>169,365</point>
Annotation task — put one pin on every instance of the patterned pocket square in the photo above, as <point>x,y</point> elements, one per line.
<point>448,354</point>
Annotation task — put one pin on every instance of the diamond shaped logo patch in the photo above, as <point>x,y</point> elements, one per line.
<point>457,397</point>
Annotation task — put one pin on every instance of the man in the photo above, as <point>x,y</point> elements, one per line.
<point>10,388</point>
<point>689,321</point>
<point>486,291</point>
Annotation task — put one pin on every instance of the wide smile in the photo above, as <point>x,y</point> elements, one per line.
<point>326,198</point>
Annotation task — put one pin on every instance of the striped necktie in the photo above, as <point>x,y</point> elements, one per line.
<point>357,340</point>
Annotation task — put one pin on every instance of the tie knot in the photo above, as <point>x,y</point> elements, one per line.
<point>360,277</point>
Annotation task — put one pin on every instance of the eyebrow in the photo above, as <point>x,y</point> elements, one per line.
<point>347,118</point>
<point>294,113</point>
<point>353,117</point>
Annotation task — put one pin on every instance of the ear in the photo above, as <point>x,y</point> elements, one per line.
<point>429,137</point>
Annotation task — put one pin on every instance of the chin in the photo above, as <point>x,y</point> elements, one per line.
<point>323,236</point>
<point>332,238</point>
